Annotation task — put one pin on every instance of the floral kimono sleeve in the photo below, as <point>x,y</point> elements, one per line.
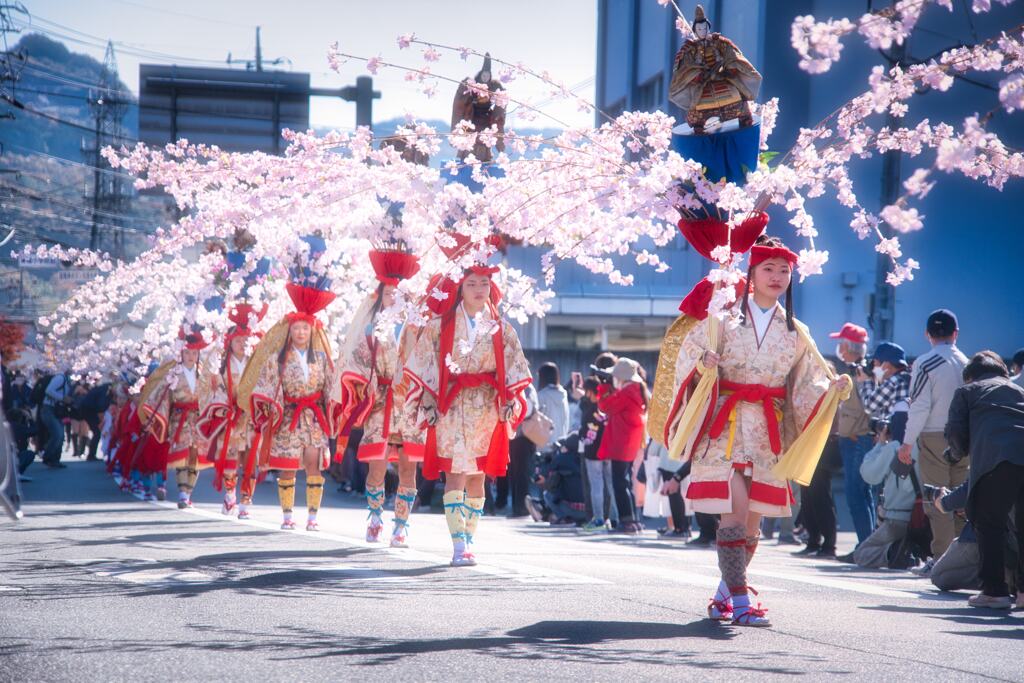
<point>266,405</point>
<point>155,413</point>
<point>213,407</point>
<point>353,383</point>
<point>517,372</point>
<point>421,368</point>
<point>806,386</point>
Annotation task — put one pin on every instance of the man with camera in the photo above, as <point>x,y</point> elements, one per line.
<point>986,419</point>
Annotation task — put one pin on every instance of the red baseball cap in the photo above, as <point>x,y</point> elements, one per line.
<point>851,333</point>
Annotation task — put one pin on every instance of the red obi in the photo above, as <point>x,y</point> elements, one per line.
<point>750,393</point>
<point>311,403</point>
<point>184,407</point>
<point>467,380</point>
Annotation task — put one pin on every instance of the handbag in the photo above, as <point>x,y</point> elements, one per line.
<point>538,428</point>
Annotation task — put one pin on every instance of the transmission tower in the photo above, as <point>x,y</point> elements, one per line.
<point>108,104</point>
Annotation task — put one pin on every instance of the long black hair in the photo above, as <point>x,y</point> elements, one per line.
<point>775,242</point>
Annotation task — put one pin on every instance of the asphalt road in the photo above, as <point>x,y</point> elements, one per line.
<point>98,586</point>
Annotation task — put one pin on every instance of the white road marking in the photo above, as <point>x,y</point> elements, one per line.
<point>520,573</point>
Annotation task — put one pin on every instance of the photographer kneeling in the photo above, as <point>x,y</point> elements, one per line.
<point>881,464</point>
<point>986,419</point>
<point>959,567</point>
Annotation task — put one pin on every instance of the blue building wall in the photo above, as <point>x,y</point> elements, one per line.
<point>972,242</point>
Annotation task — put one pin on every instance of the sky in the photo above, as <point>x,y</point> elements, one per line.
<point>556,36</point>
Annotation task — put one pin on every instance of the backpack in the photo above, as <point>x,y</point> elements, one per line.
<point>916,545</point>
<point>39,390</point>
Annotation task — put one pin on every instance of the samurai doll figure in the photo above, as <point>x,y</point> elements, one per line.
<point>373,394</point>
<point>475,102</point>
<point>712,79</point>
<point>468,375</point>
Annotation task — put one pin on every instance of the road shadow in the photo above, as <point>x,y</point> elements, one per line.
<point>966,616</point>
<point>565,642</point>
<point>301,573</point>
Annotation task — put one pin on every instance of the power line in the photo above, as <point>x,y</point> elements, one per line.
<point>55,119</point>
<point>66,33</point>
<point>26,192</point>
<point>29,150</point>
<point>69,219</point>
<point>179,109</point>
<point>64,79</point>
<point>182,14</point>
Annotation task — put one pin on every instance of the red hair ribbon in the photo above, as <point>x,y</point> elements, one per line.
<point>759,254</point>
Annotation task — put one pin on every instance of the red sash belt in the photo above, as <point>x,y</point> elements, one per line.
<point>750,393</point>
<point>311,403</point>
<point>466,380</point>
<point>184,407</point>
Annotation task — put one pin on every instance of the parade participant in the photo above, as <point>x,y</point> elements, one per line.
<point>288,386</point>
<point>223,421</point>
<point>170,409</point>
<point>771,381</point>
<point>712,78</point>
<point>373,395</point>
<point>468,374</point>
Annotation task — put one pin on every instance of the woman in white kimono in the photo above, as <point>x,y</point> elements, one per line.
<point>171,410</point>
<point>373,396</point>
<point>771,382</point>
<point>468,374</point>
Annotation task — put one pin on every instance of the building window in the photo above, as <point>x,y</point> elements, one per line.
<point>572,337</point>
<point>635,338</point>
<point>615,109</point>
<point>648,94</point>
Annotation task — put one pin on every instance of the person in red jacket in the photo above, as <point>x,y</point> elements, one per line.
<point>625,408</point>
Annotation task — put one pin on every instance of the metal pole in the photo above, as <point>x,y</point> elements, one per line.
<point>94,232</point>
<point>883,302</point>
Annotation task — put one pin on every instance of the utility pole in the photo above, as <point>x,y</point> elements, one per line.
<point>882,317</point>
<point>257,63</point>
<point>108,105</point>
<point>362,93</point>
<point>11,63</point>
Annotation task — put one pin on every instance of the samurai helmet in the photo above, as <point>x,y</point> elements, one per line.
<point>485,69</point>
<point>699,18</point>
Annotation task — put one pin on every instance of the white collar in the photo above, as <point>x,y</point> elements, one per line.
<point>761,319</point>
<point>237,364</point>
<point>470,324</point>
<point>190,377</point>
<point>303,356</point>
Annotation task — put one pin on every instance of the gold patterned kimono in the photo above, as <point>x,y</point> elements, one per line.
<point>172,412</point>
<point>220,415</point>
<point>375,366</point>
<point>711,77</point>
<point>767,391</point>
<point>295,408</point>
<point>469,410</point>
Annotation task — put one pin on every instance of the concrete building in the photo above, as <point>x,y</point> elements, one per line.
<point>972,243</point>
